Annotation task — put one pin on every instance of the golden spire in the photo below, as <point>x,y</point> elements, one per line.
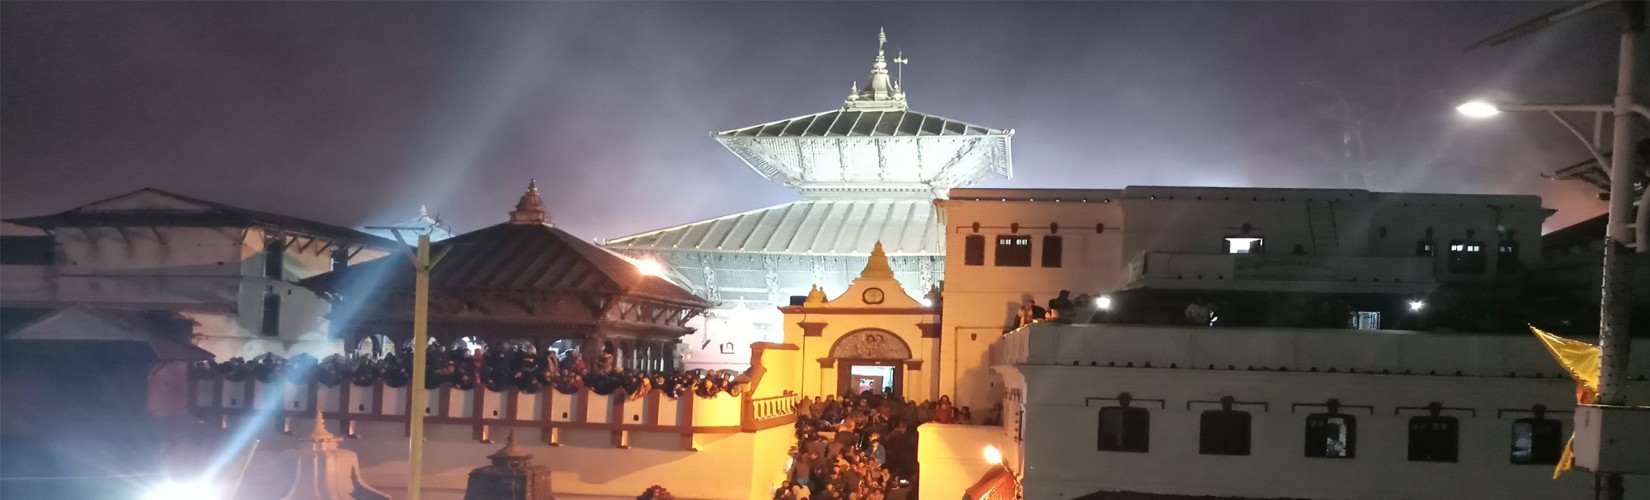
<point>877,266</point>
<point>511,453</point>
<point>530,210</point>
<point>320,435</point>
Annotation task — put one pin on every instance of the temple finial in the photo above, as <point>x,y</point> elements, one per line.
<point>877,266</point>
<point>320,433</point>
<point>880,93</point>
<point>530,210</point>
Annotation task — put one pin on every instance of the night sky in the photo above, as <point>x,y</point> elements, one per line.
<point>357,113</point>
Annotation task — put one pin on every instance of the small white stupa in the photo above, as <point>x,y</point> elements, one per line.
<point>326,472</point>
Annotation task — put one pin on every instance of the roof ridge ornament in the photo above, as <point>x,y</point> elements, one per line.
<point>877,266</point>
<point>530,210</point>
<point>881,93</point>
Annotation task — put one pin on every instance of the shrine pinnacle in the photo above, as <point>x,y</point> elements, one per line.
<point>530,210</point>
<point>881,92</point>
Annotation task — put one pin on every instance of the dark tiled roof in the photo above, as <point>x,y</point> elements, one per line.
<point>1581,233</point>
<point>851,123</point>
<point>513,257</point>
<point>75,329</point>
<point>203,213</point>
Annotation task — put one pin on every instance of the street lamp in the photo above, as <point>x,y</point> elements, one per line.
<point>1479,109</point>
<point>1620,237</point>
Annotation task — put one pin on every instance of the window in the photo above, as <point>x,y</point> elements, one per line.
<point>1331,435</point>
<point>1537,441</point>
<point>1053,247</point>
<point>1245,244</point>
<point>274,259</point>
<point>1466,257</point>
<point>1506,256</point>
<point>1434,439</point>
<point>1425,248</point>
<point>1013,251</point>
<point>1366,320</point>
<point>340,259</point>
<point>1224,432</point>
<point>974,250</point>
<point>1124,428</point>
<point>271,320</point>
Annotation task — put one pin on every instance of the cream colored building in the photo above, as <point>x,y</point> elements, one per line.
<point>874,337</point>
<point>231,270</point>
<point>1277,413</point>
<point>1152,250</point>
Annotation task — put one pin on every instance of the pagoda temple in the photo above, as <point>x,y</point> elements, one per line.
<point>868,172</point>
<point>524,282</point>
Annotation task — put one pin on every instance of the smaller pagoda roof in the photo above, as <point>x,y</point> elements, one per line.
<point>853,123</point>
<point>526,254</point>
<point>807,227</point>
<point>147,334</point>
<point>150,207</point>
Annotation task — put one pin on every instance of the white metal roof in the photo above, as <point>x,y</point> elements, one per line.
<point>808,227</point>
<point>851,123</point>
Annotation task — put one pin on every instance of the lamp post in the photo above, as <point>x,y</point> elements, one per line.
<point>422,262</point>
<point>1613,335</point>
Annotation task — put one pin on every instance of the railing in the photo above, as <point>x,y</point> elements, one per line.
<point>227,402</point>
<point>1280,268</point>
<point>771,412</point>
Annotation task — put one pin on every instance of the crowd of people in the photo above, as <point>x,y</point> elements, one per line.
<point>862,446</point>
<point>496,370</point>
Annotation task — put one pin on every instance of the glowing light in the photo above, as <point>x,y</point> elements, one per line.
<point>1103,302</point>
<point>1416,305</point>
<point>170,490</point>
<point>650,267</point>
<point>926,302</point>
<point>993,455</point>
<point>1478,109</point>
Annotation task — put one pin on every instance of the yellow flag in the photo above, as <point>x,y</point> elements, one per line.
<point>1578,358</point>
<point>1581,360</point>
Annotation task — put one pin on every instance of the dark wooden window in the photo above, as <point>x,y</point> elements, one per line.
<point>974,250</point>
<point>1053,248</point>
<point>1467,257</point>
<point>1013,250</point>
<point>1537,441</point>
<point>274,259</point>
<point>1331,435</point>
<point>1125,429</point>
<point>340,259</point>
<point>1506,257</point>
<point>1223,432</point>
<point>271,320</point>
<point>1434,439</point>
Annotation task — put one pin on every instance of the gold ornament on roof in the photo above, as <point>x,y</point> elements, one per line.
<point>877,266</point>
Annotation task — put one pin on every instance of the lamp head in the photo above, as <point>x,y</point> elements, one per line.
<point>1479,109</point>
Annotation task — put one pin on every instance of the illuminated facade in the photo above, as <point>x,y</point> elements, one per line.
<point>868,172</point>
<point>230,270</point>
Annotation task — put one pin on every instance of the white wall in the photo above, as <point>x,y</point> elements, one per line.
<point>1069,372</point>
<point>1063,462</point>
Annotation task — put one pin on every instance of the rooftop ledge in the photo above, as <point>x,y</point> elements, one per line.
<point>1279,349</point>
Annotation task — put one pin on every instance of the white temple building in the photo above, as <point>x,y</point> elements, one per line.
<point>868,172</point>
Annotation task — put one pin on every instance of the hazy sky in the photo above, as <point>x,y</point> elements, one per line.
<point>356,113</point>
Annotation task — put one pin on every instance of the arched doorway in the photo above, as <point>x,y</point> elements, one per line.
<point>871,360</point>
